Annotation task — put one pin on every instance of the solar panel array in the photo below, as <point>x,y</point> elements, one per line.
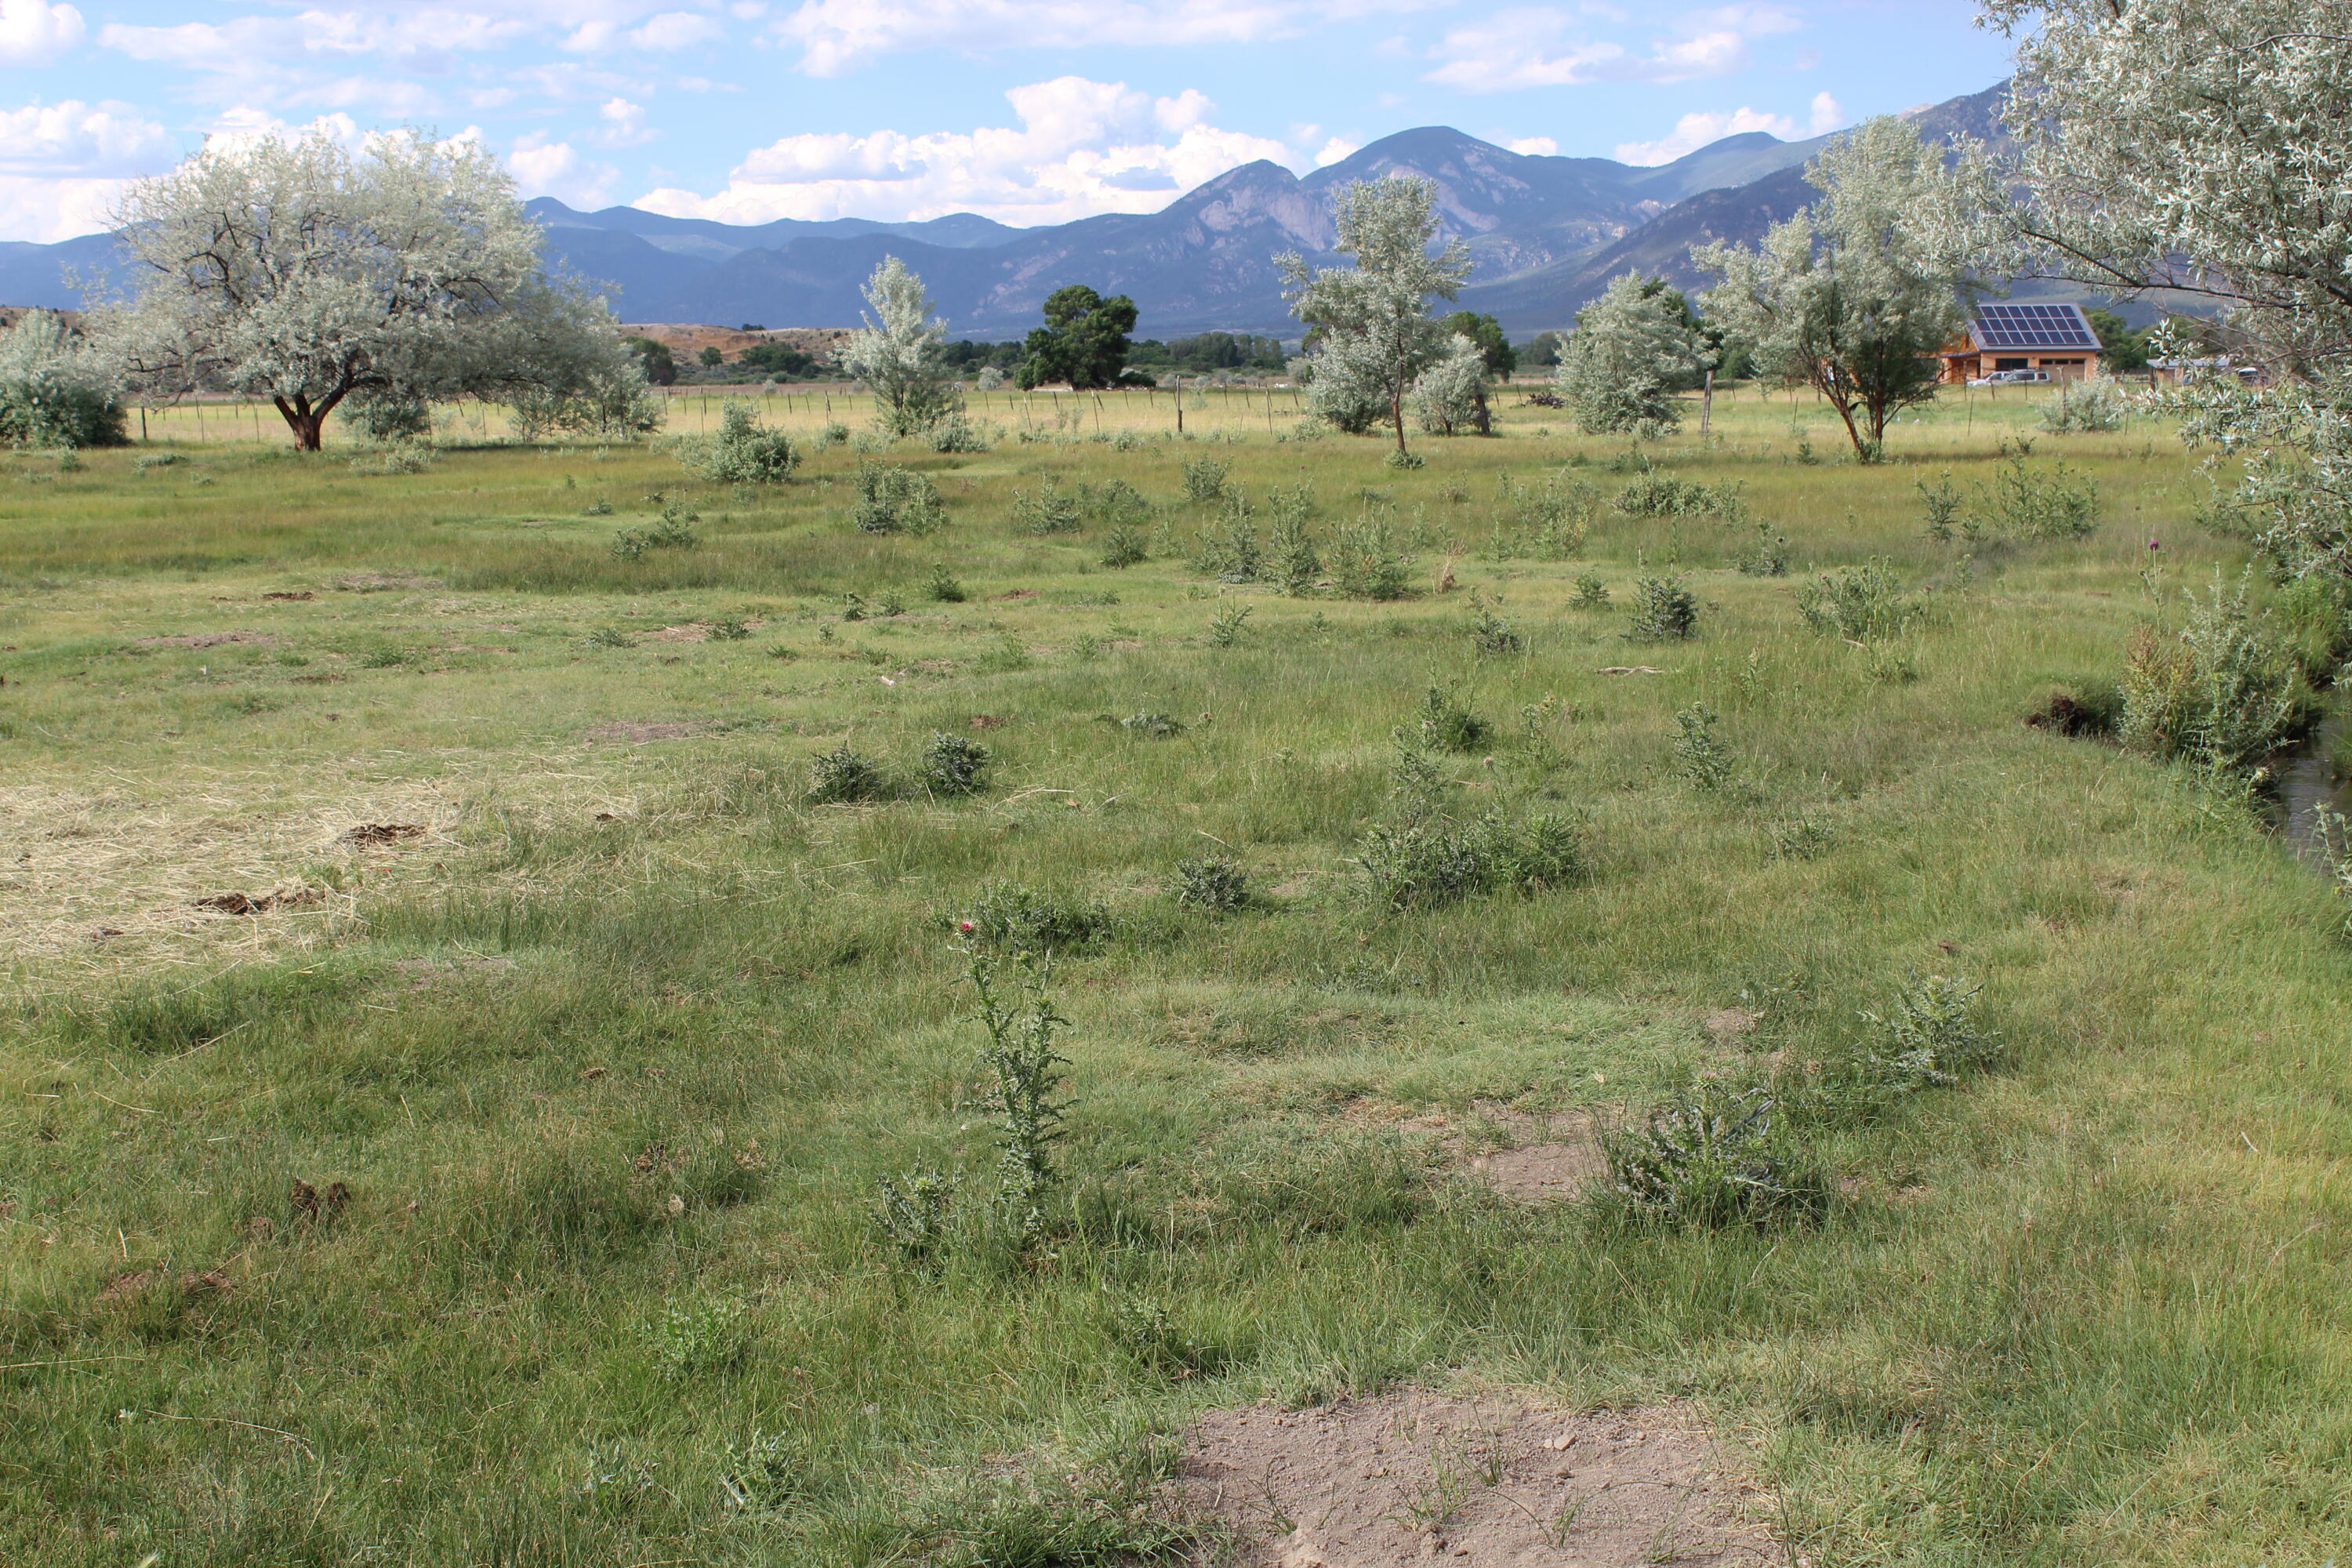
<point>2033,326</point>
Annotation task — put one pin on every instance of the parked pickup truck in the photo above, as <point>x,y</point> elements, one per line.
<point>2010,378</point>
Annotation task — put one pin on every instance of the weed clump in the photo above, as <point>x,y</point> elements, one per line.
<point>1768,557</point>
<point>941,586</point>
<point>1016,918</point>
<point>2223,692</point>
<point>911,1216</point>
<point>1711,1156</point>
<point>1592,592</point>
<point>1153,726</point>
<point>1670,495</point>
<point>1204,480</point>
<point>1490,634</point>
<point>673,532</point>
<point>1432,860</point>
<point>1213,883</point>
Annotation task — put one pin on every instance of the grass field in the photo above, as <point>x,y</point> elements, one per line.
<point>502,1189</point>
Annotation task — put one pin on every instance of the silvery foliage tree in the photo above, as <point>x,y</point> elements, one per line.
<point>56,390</point>
<point>1845,297</point>
<point>899,354</point>
<point>1450,398</point>
<point>1374,332</point>
<point>301,271</point>
<point>1631,348</point>
<point>2197,146</point>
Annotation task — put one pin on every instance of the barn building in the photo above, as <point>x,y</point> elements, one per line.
<point>2054,337</point>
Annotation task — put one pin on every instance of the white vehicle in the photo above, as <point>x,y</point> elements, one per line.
<point>2010,378</point>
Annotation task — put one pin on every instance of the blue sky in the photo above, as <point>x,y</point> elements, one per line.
<point>1027,110</point>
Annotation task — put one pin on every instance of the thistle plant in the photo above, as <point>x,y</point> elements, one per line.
<point>1027,1071</point>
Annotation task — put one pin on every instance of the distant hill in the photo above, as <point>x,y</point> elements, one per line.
<point>1545,234</point>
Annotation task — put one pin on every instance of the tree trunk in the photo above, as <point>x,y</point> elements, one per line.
<point>1396,415</point>
<point>308,423</point>
<point>1486,420</point>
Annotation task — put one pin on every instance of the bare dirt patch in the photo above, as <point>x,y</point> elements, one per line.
<point>1530,1156</point>
<point>634,731</point>
<point>381,582</point>
<point>1413,1477</point>
<point>694,631</point>
<point>211,639</point>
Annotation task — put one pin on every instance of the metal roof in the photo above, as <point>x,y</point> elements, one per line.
<point>2032,327</point>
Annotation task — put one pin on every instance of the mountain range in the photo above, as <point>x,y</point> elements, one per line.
<point>1545,234</point>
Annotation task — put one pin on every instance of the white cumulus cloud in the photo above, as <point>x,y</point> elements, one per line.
<point>1545,46</point>
<point>834,35</point>
<point>1692,131</point>
<point>34,34</point>
<point>545,167</point>
<point>77,137</point>
<point>1082,147</point>
<point>1536,146</point>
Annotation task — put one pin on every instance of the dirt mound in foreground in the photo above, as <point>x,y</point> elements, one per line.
<point>1415,1477</point>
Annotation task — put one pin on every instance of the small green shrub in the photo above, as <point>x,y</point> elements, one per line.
<point>1365,562</point>
<point>1046,509</point>
<point>1942,509</point>
<point>941,586</point>
<point>742,452</point>
<point>1204,480</point>
<point>843,774</point>
<point>1592,592</point>
<point>1027,1068</point>
<point>1666,610</point>
<point>2084,410</point>
<point>1861,603</point>
<point>1124,546</point>
<point>1225,626</point>
<point>957,434</point>
<point>894,499</point>
<point>1215,883</point>
<point>1153,726</point>
<point>1446,725</point>
<point>2059,502</point>
<point>1699,755</point>
<point>952,764</point>
<point>730,628</point>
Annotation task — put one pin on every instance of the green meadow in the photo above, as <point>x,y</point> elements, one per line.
<point>460,1061</point>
